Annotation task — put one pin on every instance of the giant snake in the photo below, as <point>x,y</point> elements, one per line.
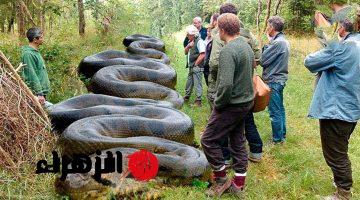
<point>134,106</point>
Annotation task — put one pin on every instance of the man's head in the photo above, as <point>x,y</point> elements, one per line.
<point>35,35</point>
<point>346,27</point>
<point>192,32</point>
<point>275,25</point>
<point>335,4</point>
<point>228,8</point>
<point>229,25</point>
<point>197,22</point>
<point>213,20</point>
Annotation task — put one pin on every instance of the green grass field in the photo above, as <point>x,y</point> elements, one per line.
<point>295,170</point>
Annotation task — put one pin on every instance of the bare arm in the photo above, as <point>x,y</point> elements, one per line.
<point>200,59</point>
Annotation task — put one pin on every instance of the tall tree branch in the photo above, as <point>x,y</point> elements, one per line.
<point>258,17</point>
<point>268,10</point>
<point>25,8</point>
<point>277,7</point>
<point>81,17</point>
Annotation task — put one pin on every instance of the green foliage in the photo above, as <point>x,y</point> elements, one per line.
<point>168,16</point>
<point>122,16</point>
<point>247,12</point>
<point>247,9</point>
<point>200,184</point>
<point>299,14</point>
<point>340,2</point>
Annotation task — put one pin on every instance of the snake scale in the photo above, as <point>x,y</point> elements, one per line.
<point>133,106</point>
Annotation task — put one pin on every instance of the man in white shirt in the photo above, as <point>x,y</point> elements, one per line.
<point>195,52</point>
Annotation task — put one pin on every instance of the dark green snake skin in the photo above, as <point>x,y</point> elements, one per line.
<point>134,106</point>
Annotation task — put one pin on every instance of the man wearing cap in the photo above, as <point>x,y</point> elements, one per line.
<point>195,52</point>
<point>34,72</point>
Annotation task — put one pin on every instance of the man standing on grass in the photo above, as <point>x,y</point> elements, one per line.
<point>336,103</point>
<point>34,72</point>
<point>234,100</point>
<point>195,52</point>
<point>251,131</point>
<point>275,61</point>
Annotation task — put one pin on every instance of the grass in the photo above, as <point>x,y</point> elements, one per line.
<point>295,170</point>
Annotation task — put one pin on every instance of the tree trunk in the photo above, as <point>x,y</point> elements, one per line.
<point>81,17</point>
<point>20,19</point>
<point>11,21</point>
<point>11,24</point>
<point>268,9</point>
<point>2,26</point>
<point>27,12</point>
<point>277,7</point>
<point>106,24</point>
<point>42,14</point>
<point>258,17</point>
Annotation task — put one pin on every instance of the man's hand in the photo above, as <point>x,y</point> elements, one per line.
<point>190,45</point>
<point>41,100</point>
<point>268,37</point>
<point>320,20</point>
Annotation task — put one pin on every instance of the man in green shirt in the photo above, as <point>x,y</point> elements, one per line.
<point>218,44</point>
<point>233,101</point>
<point>34,72</point>
<point>251,131</point>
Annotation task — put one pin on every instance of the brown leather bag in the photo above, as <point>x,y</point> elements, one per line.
<point>262,94</point>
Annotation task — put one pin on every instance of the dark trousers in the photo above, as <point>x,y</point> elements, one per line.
<point>252,136</point>
<point>335,135</point>
<point>206,76</point>
<point>227,123</point>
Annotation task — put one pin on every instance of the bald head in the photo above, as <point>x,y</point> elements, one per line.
<point>229,23</point>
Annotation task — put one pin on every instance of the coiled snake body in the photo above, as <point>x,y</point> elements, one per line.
<point>134,107</point>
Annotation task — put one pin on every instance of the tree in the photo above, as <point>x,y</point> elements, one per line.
<point>268,12</point>
<point>81,17</point>
<point>20,19</point>
<point>42,14</point>
<point>258,17</point>
<point>11,18</point>
<point>277,7</point>
<point>299,14</point>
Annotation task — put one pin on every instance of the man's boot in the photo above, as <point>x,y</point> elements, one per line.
<point>340,194</point>
<point>186,99</point>
<point>221,184</point>
<point>198,103</point>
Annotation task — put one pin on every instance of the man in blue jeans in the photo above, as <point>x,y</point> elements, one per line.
<point>274,60</point>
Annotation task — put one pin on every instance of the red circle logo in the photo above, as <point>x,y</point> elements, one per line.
<point>143,165</point>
